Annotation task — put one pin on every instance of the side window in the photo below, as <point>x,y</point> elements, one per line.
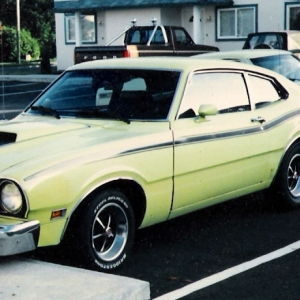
<point>269,95</point>
<point>226,90</point>
<point>181,37</point>
<point>135,84</point>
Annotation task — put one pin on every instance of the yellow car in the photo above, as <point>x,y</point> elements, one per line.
<point>113,146</point>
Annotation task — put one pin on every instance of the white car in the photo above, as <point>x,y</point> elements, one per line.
<point>280,61</point>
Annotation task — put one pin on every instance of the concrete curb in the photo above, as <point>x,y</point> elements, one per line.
<point>30,78</point>
<point>25,279</point>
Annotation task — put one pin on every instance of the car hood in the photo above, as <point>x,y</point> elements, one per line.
<point>20,131</point>
<point>37,145</point>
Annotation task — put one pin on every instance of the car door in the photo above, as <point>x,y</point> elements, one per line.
<point>221,156</point>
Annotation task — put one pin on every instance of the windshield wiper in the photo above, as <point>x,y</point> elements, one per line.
<point>101,114</point>
<point>46,110</point>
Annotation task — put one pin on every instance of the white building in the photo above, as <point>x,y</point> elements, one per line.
<point>221,23</point>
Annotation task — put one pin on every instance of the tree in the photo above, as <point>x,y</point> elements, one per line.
<point>36,16</point>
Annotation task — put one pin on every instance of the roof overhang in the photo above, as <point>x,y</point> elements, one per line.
<point>62,6</point>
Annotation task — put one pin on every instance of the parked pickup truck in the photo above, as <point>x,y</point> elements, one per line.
<point>155,40</point>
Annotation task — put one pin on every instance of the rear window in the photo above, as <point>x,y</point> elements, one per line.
<point>141,35</point>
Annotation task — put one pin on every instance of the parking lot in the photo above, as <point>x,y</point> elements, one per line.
<point>16,95</point>
<point>235,250</point>
<point>216,253</point>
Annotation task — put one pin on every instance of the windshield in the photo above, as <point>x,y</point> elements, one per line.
<point>287,65</point>
<point>110,94</point>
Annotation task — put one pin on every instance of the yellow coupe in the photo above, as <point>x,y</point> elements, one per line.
<point>113,146</point>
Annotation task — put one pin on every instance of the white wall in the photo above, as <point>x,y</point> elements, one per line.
<point>117,21</point>
<point>270,18</point>
<point>65,57</point>
<point>111,23</point>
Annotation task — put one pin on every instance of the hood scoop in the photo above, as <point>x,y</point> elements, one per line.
<point>14,132</point>
<point>7,138</point>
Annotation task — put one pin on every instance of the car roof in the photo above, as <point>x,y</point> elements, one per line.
<point>251,53</point>
<point>275,32</point>
<point>187,64</point>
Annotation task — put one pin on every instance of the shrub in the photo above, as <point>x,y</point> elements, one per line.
<point>28,45</point>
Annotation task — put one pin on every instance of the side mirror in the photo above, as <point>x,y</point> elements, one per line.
<point>207,110</point>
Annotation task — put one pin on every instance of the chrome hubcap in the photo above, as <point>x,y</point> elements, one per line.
<point>110,232</point>
<point>293,176</point>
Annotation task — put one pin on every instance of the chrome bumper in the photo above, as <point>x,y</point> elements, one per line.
<point>18,238</point>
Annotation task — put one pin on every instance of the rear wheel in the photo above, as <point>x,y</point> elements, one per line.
<point>107,230</point>
<point>288,181</point>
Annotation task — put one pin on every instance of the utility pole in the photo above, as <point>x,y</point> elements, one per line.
<point>18,31</point>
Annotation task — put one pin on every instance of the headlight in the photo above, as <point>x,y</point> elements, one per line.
<point>10,197</point>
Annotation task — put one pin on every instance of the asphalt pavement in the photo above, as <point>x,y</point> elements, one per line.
<point>26,279</point>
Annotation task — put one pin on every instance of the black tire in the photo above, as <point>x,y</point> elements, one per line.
<point>107,231</point>
<point>287,182</point>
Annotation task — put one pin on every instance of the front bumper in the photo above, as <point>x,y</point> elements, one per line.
<point>18,237</point>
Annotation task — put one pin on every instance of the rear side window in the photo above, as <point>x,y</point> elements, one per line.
<point>269,95</point>
<point>181,37</point>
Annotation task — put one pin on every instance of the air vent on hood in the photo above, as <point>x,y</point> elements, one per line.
<point>7,138</point>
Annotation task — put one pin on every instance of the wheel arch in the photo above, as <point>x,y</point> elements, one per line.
<point>288,147</point>
<point>130,188</point>
<point>286,150</point>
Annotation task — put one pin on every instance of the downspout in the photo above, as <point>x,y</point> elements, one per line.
<point>78,41</point>
<point>197,25</point>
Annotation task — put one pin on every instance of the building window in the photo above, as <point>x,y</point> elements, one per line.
<point>293,16</point>
<point>236,22</point>
<point>88,28</point>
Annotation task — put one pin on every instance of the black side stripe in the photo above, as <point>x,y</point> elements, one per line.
<point>148,148</point>
<point>229,134</point>
<point>214,136</point>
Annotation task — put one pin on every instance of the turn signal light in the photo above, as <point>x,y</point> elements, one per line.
<point>59,213</point>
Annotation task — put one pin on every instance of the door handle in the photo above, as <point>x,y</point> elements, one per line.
<point>258,119</point>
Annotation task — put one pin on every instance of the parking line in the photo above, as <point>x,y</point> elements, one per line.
<point>20,93</point>
<point>10,110</point>
<point>205,282</point>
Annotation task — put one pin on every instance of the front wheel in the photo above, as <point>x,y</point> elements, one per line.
<point>107,230</point>
<point>288,181</point>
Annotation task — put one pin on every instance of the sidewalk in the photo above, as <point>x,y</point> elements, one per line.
<point>24,279</point>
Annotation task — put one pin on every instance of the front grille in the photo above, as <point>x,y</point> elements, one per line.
<point>7,138</point>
